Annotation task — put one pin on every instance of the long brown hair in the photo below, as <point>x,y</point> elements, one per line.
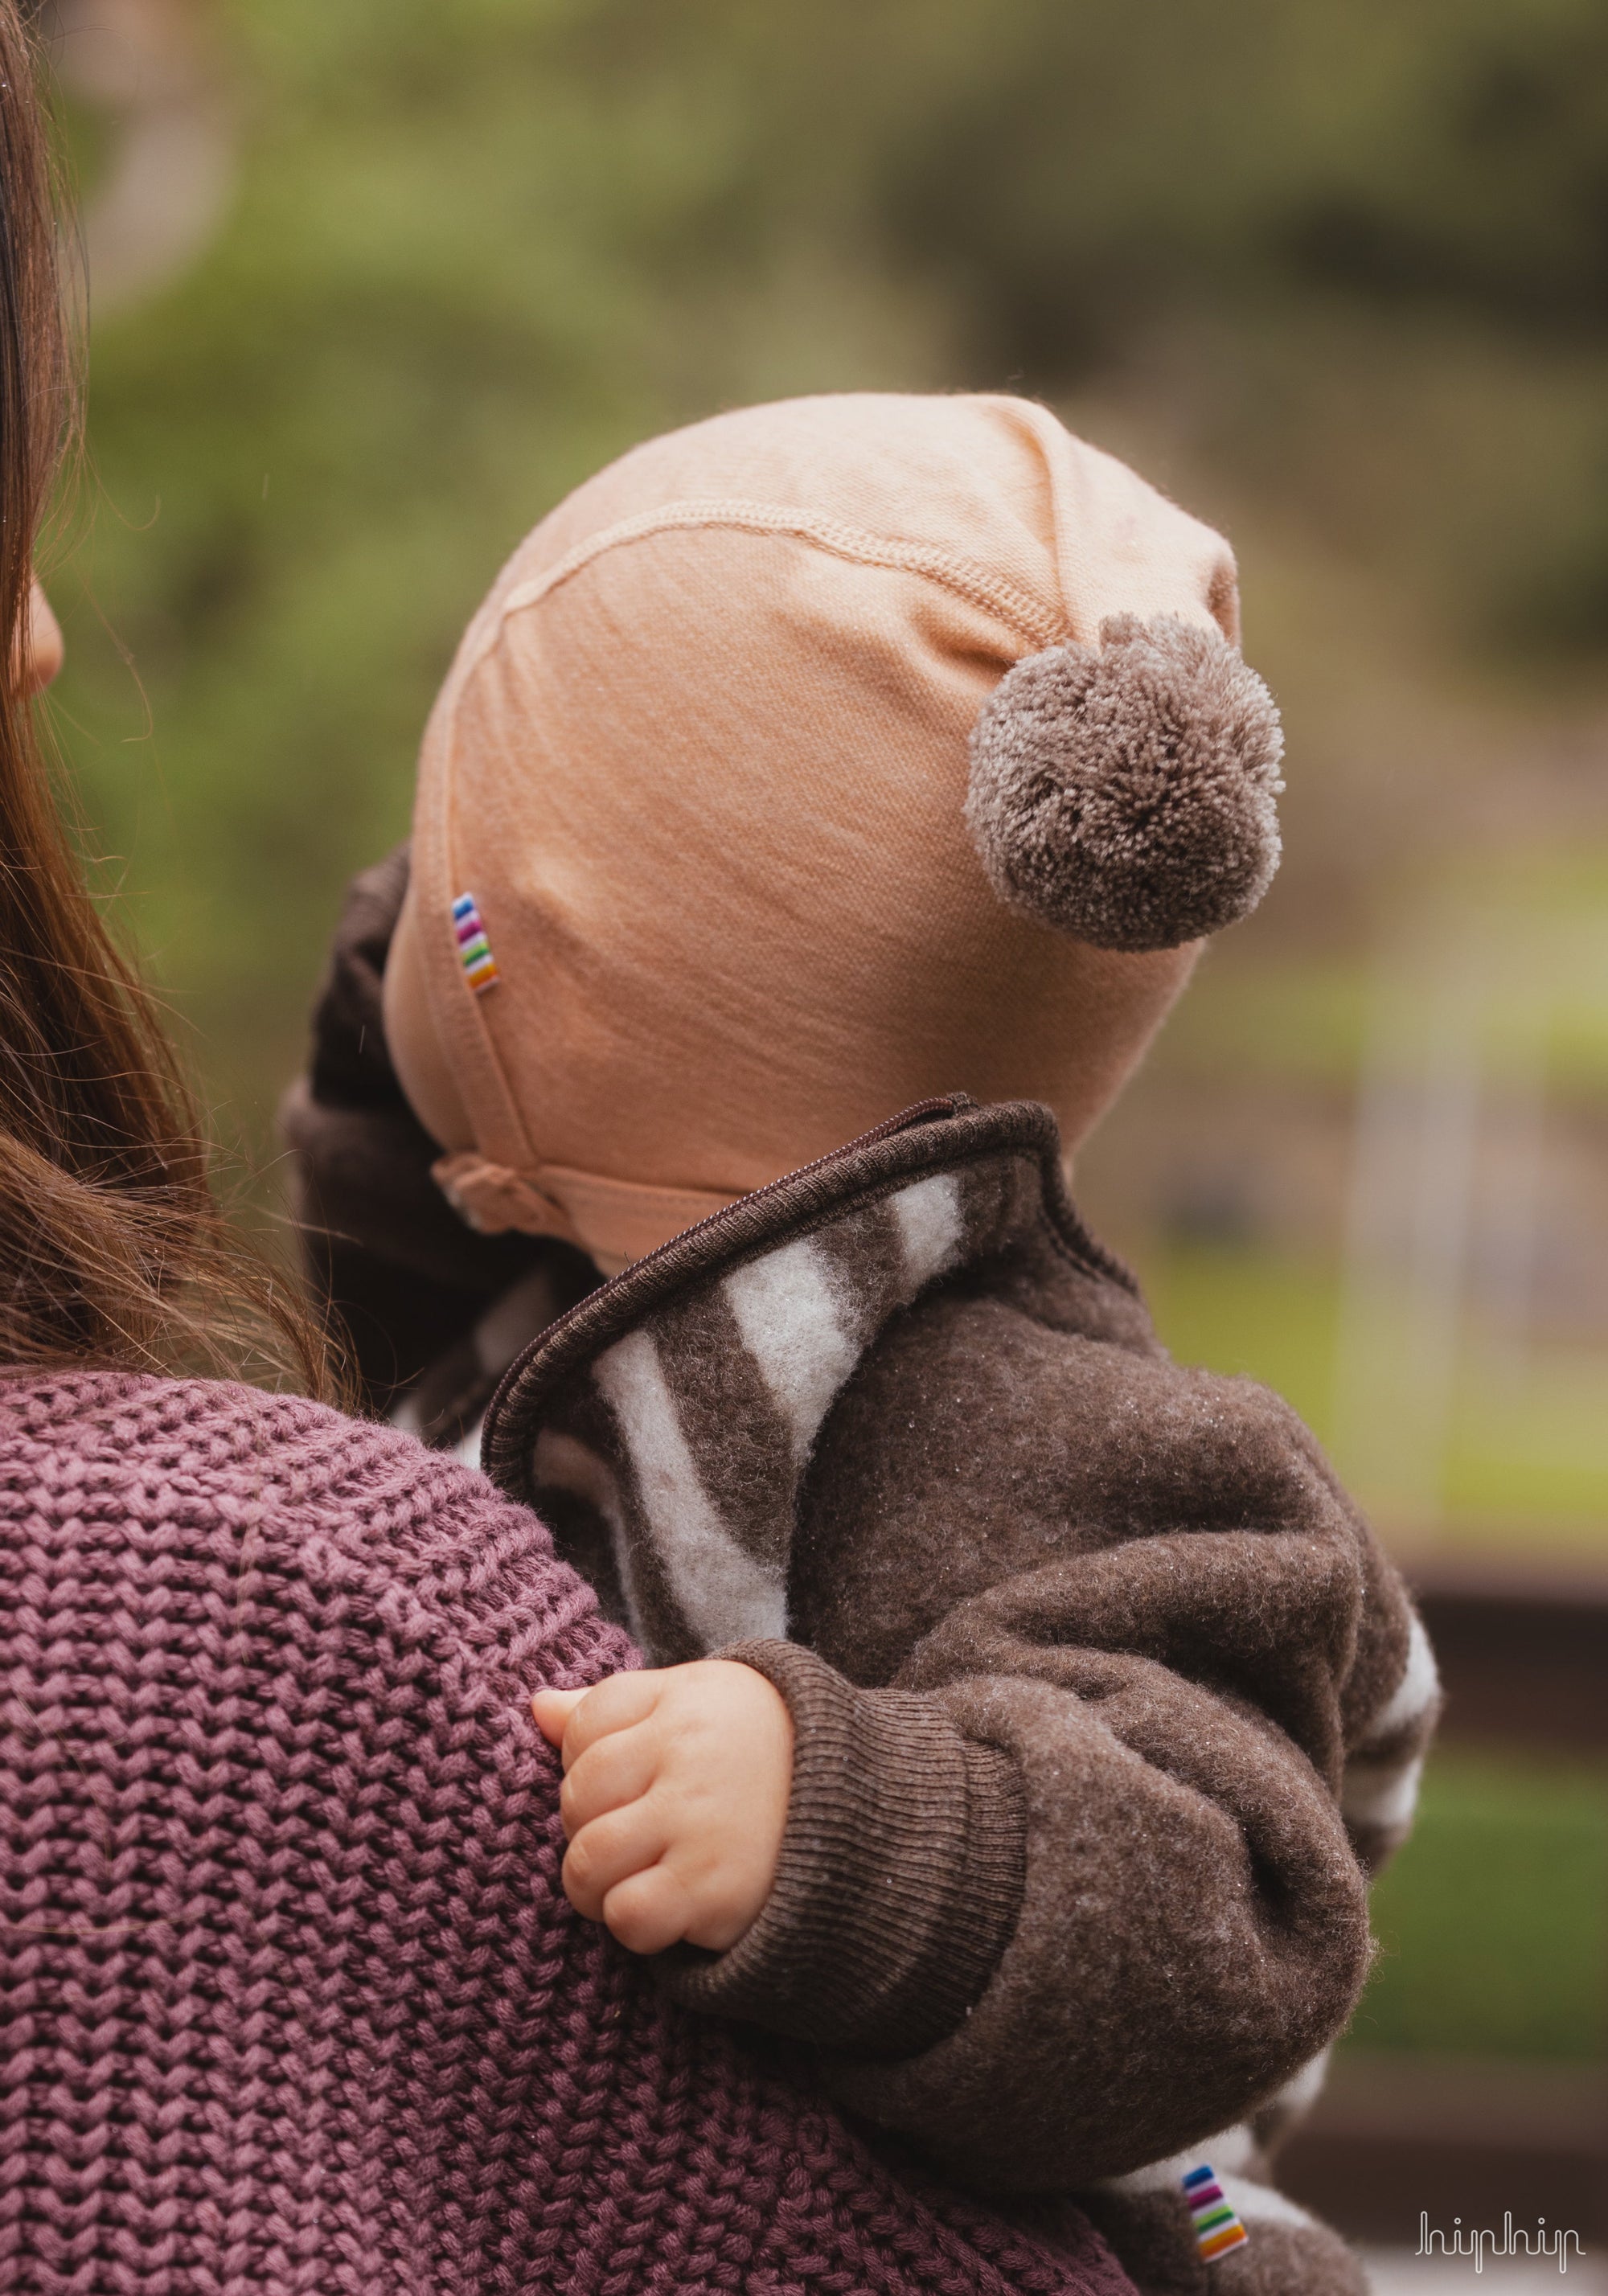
<point>112,1251</point>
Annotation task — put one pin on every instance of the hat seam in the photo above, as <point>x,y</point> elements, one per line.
<point>1055,449</point>
<point>1036,625</point>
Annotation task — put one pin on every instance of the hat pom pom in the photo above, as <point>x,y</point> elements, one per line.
<point>1127,795</point>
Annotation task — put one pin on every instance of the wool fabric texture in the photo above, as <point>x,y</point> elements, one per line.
<point>903,1410</point>
<point>292,2001</point>
<point>1126,793</point>
<point>1104,1697</point>
<point>703,761</point>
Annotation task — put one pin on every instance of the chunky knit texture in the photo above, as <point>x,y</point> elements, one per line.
<point>291,1999</point>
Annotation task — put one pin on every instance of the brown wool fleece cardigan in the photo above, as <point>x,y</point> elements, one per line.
<point>1105,1695</point>
<point>1080,1642</point>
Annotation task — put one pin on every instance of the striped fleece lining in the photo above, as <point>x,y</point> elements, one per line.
<point>1379,1787</point>
<point>715,1403</point>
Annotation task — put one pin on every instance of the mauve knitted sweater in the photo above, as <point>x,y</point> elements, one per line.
<point>292,1998</point>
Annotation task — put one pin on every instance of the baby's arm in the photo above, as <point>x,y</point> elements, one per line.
<point>1073,1889</point>
<point>1077,1892</point>
<point>675,1800</point>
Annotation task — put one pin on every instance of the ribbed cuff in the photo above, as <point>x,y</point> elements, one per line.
<point>900,1876</point>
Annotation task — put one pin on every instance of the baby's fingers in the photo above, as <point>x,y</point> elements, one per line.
<point>649,1912</point>
<point>615,1703</point>
<point>613,1772</point>
<point>553,1710</point>
<point>608,1852</point>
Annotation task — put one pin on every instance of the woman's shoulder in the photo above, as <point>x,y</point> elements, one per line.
<point>211,1434</point>
<point>184,1477</point>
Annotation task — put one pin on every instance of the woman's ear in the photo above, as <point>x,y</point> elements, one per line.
<point>40,649</point>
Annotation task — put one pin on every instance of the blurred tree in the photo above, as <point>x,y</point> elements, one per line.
<point>1097,161</point>
<point>1349,262</point>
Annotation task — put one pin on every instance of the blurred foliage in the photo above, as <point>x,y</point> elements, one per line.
<point>1530,924</point>
<point>1493,1922</point>
<point>1336,274</point>
<point>1451,155</point>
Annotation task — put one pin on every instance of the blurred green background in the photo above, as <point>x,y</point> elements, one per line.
<point>373,282</point>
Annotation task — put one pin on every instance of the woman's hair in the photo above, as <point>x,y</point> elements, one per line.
<point>112,1250</point>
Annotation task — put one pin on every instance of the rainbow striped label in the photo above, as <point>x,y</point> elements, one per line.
<point>474,950</point>
<point>1217,2228</point>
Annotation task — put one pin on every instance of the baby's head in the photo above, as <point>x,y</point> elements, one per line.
<point>805,763</point>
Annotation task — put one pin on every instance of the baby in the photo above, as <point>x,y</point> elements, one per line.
<point>820,817</point>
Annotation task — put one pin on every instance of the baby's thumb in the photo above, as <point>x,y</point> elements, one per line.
<point>553,1710</point>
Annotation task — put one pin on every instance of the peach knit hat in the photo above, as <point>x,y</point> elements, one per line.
<point>803,764</point>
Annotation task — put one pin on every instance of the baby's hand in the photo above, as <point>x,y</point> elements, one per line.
<point>675,1796</point>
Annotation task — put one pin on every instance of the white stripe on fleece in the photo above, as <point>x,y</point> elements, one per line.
<point>566,1464</point>
<point>1380,1793</point>
<point>1259,2203</point>
<point>725,1595</point>
<point>789,1325</point>
<point>930,1229</point>
<point>1303,2088</point>
<point>1232,2146</point>
<point>788,1316</point>
<point>1414,1694</point>
<point>1256,2202</point>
